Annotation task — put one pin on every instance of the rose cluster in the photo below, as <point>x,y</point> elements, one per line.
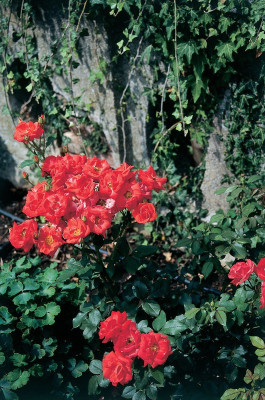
<point>153,348</point>
<point>241,271</point>
<point>28,131</point>
<point>82,195</point>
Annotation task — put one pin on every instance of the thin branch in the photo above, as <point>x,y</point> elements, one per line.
<point>82,12</point>
<point>164,134</point>
<point>177,65</point>
<point>162,101</point>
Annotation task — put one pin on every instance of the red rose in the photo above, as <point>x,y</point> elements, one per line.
<point>75,231</point>
<point>50,239</point>
<point>95,168</point>
<point>241,271</point>
<point>97,219</point>
<point>262,299</point>
<point>144,212</point>
<point>128,341</point>
<point>116,368</point>
<point>151,180</point>
<point>260,269</point>
<point>154,349</point>
<point>112,326</point>
<point>24,235</point>
<point>81,185</point>
<point>27,131</point>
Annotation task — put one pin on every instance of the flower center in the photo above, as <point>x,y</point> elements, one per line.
<point>49,240</point>
<point>129,340</point>
<point>154,348</point>
<point>128,194</point>
<point>96,168</point>
<point>101,202</point>
<point>77,232</point>
<point>23,233</point>
<point>97,220</point>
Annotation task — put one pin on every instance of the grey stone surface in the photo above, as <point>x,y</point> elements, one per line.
<point>12,152</point>
<point>215,169</point>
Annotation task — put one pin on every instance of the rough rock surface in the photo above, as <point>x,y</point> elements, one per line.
<point>215,169</point>
<point>12,152</point>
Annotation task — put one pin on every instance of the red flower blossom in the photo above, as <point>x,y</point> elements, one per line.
<point>75,231</point>
<point>151,180</point>
<point>112,326</point>
<point>260,269</point>
<point>117,368</point>
<point>50,239</point>
<point>154,349</point>
<point>128,341</point>
<point>81,185</point>
<point>95,168</point>
<point>144,212</point>
<point>24,235</point>
<point>241,271</point>
<point>27,131</point>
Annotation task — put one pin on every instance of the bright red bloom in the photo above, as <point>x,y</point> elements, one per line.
<point>98,220</point>
<point>55,206</point>
<point>50,239</point>
<point>129,196</point>
<point>260,269</point>
<point>35,198</point>
<point>112,326</point>
<point>144,212</point>
<point>95,168</point>
<point>262,299</point>
<point>49,167</point>
<point>27,131</point>
<point>24,235</point>
<point>81,185</point>
<point>151,180</point>
<point>128,341</point>
<point>75,231</point>
<point>241,271</point>
<point>116,368</point>
<point>154,349</point>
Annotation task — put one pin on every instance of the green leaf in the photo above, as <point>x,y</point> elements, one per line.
<point>226,50</point>
<point>93,385</point>
<point>8,395</point>
<point>144,251</point>
<point>53,308</point>
<point>21,380</point>
<point>78,370</point>
<point>95,367</point>
<point>26,163</point>
<point>191,313</point>
<point>207,269</point>
<point>160,321</point>
<point>151,307</point>
<point>187,49</point>
<point>248,377</point>
<point>239,250</point>
<point>15,288</point>
<point>128,392</point>
<point>257,342</point>
<point>95,317</point>
<point>174,326</point>
<point>22,298</point>
<point>158,376</point>
<point>139,396</point>
<point>220,317</point>
<point>231,394</point>
<point>151,392</point>
<point>50,275</point>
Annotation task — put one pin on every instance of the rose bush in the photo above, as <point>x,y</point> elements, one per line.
<point>118,315</point>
